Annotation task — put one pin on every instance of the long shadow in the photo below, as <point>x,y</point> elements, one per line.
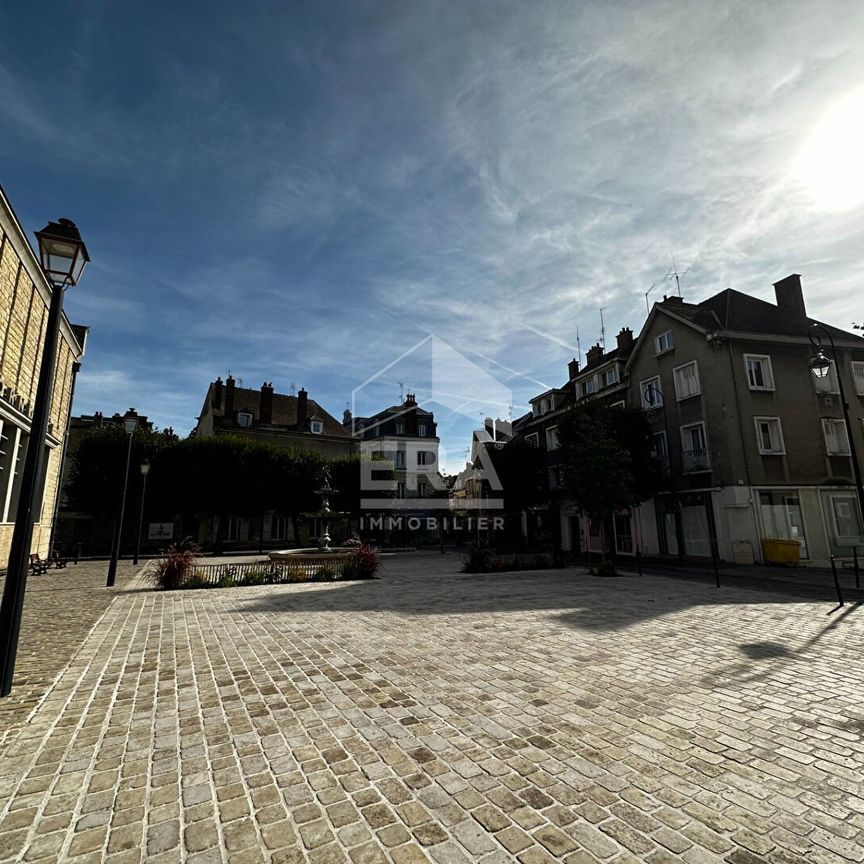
<point>414,587</point>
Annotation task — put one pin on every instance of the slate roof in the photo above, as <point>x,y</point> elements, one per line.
<point>285,410</point>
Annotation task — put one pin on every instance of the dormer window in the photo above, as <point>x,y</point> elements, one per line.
<point>244,419</point>
<point>400,427</point>
<point>421,430</point>
<point>316,427</point>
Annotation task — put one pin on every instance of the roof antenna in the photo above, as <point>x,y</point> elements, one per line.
<point>401,392</point>
<point>603,329</point>
<point>293,389</point>
<point>674,274</point>
<point>647,306</point>
<point>578,344</point>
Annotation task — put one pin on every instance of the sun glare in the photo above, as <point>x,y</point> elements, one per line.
<point>831,162</point>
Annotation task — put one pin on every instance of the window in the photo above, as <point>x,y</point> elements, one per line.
<point>694,448</point>
<point>19,451</point>
<point>828,384</point>
<point>769,435</point>
<point>610,377</point>
<point>423,457</point>
<point>652,395</point>
<point>544,407</point>
<point>554,477</point>
<point>661,448</point>
<point>400,489</point>
<point>836,439</point>
<point>535,409</point>
<point>617,404</point>
<point>421,430</point>
<point>759,373</point>
<point>400,427</point>
<point>278,527</point>
<point>552,442</point>
<point>422,489</point>
<point>588,387</point>
<point>532,440</point>
<point>316,427</point>
<point>858,377</point>
<point>244,419</point>
<point>687,381</point>
<point>400,458</point>
<point>664,342</point>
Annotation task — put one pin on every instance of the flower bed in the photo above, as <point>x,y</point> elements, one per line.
<point>483,560</point>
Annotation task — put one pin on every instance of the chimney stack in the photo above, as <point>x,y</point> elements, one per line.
<point>594,355</point>
<point>265,409</point>
<point>347,417</point>
<point>302,408</point>
<point>625,340</point>
<point>789,294</point>
<point>217,393</point>
<point>573,368</point>
<point>229,397</point>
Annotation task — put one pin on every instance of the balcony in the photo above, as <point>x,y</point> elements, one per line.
<point>695,461</point>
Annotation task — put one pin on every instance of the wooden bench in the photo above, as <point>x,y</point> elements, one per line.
<point>37,565</point>
<point>57,560</point>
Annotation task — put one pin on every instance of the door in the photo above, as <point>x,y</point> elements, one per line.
<point>696,531</point>
<point>670,532</point>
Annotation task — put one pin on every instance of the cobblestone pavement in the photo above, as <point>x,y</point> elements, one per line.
<point>435,716</point>
<point>60,608</point>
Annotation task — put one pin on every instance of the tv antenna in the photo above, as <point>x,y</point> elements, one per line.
<point>401,392</point>
<point>647,306</point>
<point>674,274</point>
<point>603,329</point>
<point>578,344</point>
<point>293,389</point>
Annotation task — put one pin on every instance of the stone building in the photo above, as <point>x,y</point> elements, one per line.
<point>25,295</point>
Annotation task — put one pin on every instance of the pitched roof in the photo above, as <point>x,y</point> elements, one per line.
<point>285,410</point>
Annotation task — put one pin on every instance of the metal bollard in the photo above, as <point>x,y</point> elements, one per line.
<point>836,582</point>
<point>714,558</point>
<point>855,564</point>
<point>638,560</point>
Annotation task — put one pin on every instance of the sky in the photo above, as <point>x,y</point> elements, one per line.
<point>314,193</point>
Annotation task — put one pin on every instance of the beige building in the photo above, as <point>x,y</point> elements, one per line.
<point>25,294</point>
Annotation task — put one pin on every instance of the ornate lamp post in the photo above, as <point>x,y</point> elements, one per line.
<point>130,424</point>
<point>145,470</point>
<point>820,364</point>
<point>63,256</point>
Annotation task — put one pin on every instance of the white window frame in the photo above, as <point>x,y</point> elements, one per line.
<point>780,449</point>
<point>858,376</point>
<point>400,427</point>
<point>643,392</point>
<point>685,449</point>
<point>661,436</point>
<point>660,348</point>
<point>619,404</point>
<point>422,456</point>
<point>552,442</point>
<point>588,387</point>
<point>767,371</point>
<point>613,372</point>
<point>676,377</point>
<point>533,440</point>
<point>421,430</point>
<point>316,427</point>
<point>835,423</point>
<point>244,419</point>
<point>400,458</point>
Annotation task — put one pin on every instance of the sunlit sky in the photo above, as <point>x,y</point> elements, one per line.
<point>303,192</point>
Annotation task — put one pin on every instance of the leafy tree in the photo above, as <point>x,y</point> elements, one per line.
<point>521,471</point>
<point>608,459</point>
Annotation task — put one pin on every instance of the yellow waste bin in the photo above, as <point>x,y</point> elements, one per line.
<point>777,551</point>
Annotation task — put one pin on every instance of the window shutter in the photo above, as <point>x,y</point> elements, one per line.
<point>858,376</point>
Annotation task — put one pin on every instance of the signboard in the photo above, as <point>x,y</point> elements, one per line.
<point>160,530</point>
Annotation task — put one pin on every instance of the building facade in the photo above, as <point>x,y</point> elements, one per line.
<point>25,295</point>
<point>756,444</point>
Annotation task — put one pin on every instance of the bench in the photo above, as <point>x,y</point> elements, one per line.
<point>57,560</point>
<point>37,565</point>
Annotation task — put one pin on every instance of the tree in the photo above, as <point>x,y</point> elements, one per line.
<point>608,460</point>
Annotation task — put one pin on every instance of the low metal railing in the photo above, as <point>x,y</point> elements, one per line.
<point>696,460</point>
<point>270,572</point>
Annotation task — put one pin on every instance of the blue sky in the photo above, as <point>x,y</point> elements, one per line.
<point>301,192</point>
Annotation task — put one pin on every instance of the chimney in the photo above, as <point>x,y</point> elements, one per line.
<point>595,355</point>
<point>573,368</point>
<point>97,419</point>
<point>625,340</point>
<point>302,407</point>
<point>229,398</point>
<point>217,393</point>
<point>673,300</point>
<point>265,408</point>
<point>410,399</point>
<point>347,417</point>
<point>789,294</point>
<point>411,426</point>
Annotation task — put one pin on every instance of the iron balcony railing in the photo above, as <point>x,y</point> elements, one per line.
<point>696,460</point>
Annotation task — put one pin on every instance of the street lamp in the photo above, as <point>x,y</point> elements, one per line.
<point>820,364</point>
<point>145,470</point>
<point>130,424</point>
<point>63,256</point>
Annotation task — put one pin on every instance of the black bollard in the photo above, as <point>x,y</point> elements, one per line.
<point>639,560</point>
<point>714,557</point>
<point>855,565</point>
<point>836,582</point>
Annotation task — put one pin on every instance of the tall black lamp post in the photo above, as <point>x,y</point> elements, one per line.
<point>145,470</point>
<point>63,256</point>
<point>821,364</point>
<point>130,424</point>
